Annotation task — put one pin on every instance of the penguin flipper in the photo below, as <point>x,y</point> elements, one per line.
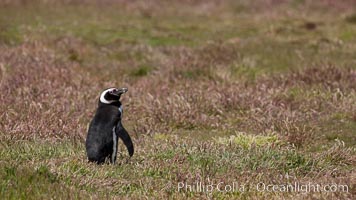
<point>124,135</point>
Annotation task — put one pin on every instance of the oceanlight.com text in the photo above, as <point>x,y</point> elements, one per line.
<point>260,187</point>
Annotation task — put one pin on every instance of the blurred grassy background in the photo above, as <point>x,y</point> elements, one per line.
<point>253,91</point>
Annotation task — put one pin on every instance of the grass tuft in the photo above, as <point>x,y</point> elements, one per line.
<point>249,141</point>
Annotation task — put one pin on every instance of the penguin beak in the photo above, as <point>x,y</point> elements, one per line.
<point>119,92</point>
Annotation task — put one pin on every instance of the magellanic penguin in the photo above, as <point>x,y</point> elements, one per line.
<point>106,127</point>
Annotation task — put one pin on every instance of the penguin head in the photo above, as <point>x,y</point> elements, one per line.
<point>112,95</point>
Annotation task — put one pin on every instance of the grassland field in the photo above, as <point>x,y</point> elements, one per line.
<point>232,92</point>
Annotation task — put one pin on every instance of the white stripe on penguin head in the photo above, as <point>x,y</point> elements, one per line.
<point>102,96</point>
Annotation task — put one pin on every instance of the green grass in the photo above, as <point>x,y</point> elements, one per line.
<point>154,172</point>
<point>10,36</point>
<point>26,183</point>
<point>142,70</point>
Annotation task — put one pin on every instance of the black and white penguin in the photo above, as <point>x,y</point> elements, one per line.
<point>106,127</point>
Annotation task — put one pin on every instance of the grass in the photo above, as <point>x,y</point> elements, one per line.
<point>24,183</point>
<point>153,171</point>
<point>247,92</point>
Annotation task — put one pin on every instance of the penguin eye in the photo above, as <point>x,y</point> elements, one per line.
<point>112,92</point>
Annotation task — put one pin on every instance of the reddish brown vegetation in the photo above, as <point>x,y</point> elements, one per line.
<point>45,95</point>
